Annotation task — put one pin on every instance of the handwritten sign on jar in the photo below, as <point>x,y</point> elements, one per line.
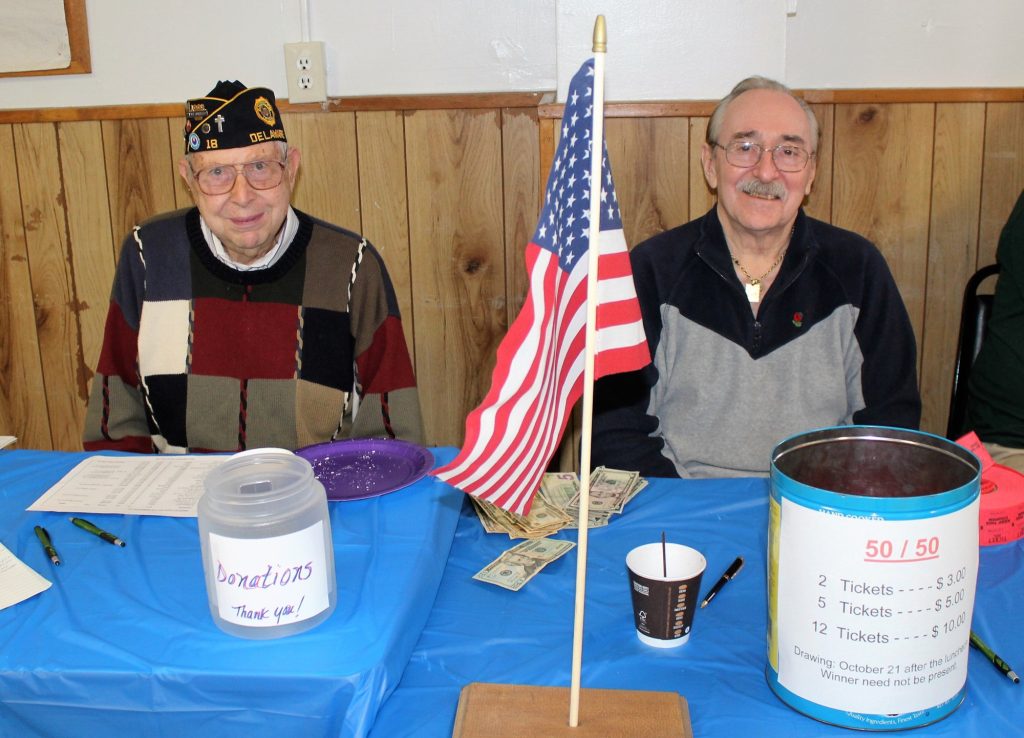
<point>268,555</point>
<point>264,582</point>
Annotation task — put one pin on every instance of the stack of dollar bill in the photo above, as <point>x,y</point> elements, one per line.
<point>557,505</point>
<point>521,563</point>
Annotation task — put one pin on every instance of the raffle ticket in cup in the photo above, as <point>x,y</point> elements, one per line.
<point>1002,497</point>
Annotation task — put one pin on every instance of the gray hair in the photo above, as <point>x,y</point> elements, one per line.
<point>759,83</point>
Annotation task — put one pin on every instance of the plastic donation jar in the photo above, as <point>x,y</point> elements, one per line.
<point>266,542</point>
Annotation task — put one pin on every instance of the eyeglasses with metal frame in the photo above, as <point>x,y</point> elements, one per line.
<point>787,157</point>
<point>219,180</point>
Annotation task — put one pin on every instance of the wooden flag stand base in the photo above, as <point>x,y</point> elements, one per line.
<point>522,711</point>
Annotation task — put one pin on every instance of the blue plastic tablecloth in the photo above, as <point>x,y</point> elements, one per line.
<point>479,632</point>
<point>123,642</point>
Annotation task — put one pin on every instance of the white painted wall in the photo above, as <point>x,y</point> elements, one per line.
<point>154,51</point>
<point>906,43</point>
<point>675,49</point>
<point>697,49</point>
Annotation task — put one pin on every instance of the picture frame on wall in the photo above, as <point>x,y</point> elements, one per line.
<point>43,37</point>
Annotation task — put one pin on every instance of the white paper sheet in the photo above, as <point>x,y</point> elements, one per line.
<point>34,35</point>
<point>880,624</point>
<point>7,440</point>
<point>18,581</point>
<point>131,485</point>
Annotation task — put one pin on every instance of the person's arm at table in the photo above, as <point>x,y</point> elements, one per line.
<point>888,374</point>
<point>622,428</point>
<point>389,402</point>
<point>116,416</point>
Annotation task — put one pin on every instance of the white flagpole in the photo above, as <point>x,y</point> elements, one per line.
<point>596,155</point>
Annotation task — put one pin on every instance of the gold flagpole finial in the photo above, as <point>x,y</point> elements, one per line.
<point>600,36</point>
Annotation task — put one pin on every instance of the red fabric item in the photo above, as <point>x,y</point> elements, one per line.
<point>245,340</point>
<point>385,364</point>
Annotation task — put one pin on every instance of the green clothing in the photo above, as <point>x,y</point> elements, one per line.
<point>995,408</point>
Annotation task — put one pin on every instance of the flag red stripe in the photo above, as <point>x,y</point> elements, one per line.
<point>611,361</point>
<point>615,264</point>
<point>617,313</point>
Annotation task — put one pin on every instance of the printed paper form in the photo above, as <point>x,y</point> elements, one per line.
<point>18,581</point>
<point>131,485</point>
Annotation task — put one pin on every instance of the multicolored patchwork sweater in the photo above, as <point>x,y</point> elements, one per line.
<point>198,356</point>
<point>831,344</point>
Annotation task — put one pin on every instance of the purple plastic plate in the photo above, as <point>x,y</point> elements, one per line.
<point>366,467</point>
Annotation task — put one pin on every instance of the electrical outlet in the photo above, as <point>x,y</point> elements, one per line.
<point>306,71</point>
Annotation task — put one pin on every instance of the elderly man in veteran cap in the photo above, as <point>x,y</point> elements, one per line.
<point>242,322</point>
<point>762,322</point>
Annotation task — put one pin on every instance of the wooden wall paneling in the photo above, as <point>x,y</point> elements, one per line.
<point>22,393</point>
<point>522,191</point>
<point>1003,177</point>
<point>701,196</point>
<point>898,169</point>
<point>952,249</point>
<point>650,163</point>
<point>328,184</point>
<point>882,188</point>
<point>175,150</point>
<point>384,202</point>
<point>548,131</point>
<point>456,242</point>
<point>819,202</point>
<point>89,244</point>
<point>138,180</point>
<point>46,241</point>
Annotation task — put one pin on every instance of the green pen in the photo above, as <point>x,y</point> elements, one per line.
<point>994,658</point>
<point>44,538</point>
<point>108,537</point>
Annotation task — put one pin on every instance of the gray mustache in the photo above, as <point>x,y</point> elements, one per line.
<point>763,189</point>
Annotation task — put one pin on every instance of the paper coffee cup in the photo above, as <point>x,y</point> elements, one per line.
<point>664,587</point>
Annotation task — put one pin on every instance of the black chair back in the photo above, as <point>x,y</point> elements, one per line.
<point>974,317</point>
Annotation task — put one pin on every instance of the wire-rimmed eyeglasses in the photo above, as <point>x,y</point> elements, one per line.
<point>261,175</point>
<point>787,157</point>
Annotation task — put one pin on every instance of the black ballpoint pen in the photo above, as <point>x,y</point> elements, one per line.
<point>733,570</point>
<point>44,538</point>
<point>108,537</point>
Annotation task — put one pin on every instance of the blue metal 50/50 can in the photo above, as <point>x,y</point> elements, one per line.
<point>873,562</point>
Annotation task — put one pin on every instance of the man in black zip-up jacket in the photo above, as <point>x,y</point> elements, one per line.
<point>762,322</point>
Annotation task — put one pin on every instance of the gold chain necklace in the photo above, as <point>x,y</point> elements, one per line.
<point>753,286</point>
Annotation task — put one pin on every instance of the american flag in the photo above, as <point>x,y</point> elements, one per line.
<point>512,435</point>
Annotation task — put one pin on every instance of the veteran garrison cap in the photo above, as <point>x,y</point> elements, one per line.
<point>231,116</point>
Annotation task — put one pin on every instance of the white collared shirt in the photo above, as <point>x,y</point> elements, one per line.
<point>284,240</point>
